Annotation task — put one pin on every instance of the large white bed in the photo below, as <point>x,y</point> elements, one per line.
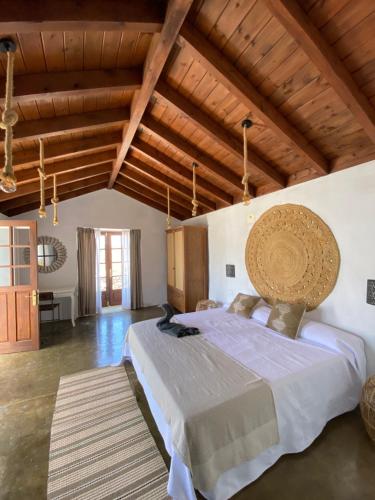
<point>313,379</point>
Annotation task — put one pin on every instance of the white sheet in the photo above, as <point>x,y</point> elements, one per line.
<point>311,384</point>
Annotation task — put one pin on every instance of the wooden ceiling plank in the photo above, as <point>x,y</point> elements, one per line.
<point>173,165</point>
<point>98,143</point>
<point>71,83</point>
<point>154,173</point>
<point>156,58</point>
<point>59,167</point>
<point>65,178</point>
<point>229,76</point>
<point>217,133</point>
<point>89,15</point>
<point>35,197</point>
<point>298,24</point>
<point>145,200</point>
<point>51,127</point>
<point>66,196</point>
<point>157,187</point>
<point>194,154</point>
<point>152,195</point>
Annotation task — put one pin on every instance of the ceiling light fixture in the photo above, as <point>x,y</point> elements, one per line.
<point>245,179</point>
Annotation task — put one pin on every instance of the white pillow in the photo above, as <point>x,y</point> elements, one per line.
<point>261,314</point>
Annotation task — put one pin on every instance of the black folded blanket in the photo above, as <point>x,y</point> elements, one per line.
<point>175,329</point>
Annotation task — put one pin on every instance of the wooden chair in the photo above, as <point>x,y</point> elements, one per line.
<point>50,306</point>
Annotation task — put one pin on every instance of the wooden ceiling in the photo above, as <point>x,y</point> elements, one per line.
<point>128,94</point>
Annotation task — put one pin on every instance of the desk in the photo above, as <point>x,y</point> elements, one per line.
<point>60,293</point>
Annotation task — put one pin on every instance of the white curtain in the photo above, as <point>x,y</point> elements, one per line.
<point>125,269</point>
<point>98,290</point>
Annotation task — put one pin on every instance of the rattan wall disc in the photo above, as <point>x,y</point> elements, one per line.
<point>292,255</point>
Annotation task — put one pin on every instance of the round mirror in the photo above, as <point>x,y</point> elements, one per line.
<point>51,254</point>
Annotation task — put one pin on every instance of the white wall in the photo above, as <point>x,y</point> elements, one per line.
<point>108,209</point>
<point>346,202</point>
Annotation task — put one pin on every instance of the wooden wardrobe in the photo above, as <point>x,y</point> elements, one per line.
<point>187,266</point>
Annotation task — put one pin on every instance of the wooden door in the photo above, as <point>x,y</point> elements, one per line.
<point>179,259</point>
<point>19,318</point>
<point>170,258</point>
<point>111,254</point>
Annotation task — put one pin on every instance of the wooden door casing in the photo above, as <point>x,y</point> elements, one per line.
<point>19,319</point>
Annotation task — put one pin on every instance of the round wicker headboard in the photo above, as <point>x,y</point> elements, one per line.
<point>292,255</point>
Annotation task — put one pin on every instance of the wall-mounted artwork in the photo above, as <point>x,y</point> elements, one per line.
<point>292,255</point>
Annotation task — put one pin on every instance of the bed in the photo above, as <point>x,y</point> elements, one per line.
<point>312,379</point>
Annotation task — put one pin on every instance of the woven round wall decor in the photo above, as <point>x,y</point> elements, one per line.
<point>291,255</point>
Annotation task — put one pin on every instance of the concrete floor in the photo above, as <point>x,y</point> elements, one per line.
<point>340,465</point>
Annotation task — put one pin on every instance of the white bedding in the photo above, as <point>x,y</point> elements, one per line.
<point>311,384</point>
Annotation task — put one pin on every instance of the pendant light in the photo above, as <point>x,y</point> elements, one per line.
<point>42,178</point>
<point>194,200</point>
<point>245,179</point>
<point>8,181</point>
<point>169,225</point>
<point>54,201</point>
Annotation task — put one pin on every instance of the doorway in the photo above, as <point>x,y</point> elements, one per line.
<point>111,268</point>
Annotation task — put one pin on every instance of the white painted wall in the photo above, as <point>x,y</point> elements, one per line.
<point>346,202</point>
<point>108,209</point>
<point>3,217</point>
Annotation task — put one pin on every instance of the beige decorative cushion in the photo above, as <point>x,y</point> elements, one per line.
<point>243,304</point>
<point>286,318</point>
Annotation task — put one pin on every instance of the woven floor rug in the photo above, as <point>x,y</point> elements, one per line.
<point>101,447</point>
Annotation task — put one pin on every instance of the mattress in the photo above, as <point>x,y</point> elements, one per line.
<point>311,384</point>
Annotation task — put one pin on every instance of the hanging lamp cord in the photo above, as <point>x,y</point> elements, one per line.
<point>245,179</point>
<point>194,200</point>
<point>55,201</point>
<point>42,178</point>
<point>9,119</point>
<point>169,210</point>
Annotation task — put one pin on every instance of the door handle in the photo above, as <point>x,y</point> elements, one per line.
<point>34,297</point>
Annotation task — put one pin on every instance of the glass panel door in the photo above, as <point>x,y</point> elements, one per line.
<point>111,265</point>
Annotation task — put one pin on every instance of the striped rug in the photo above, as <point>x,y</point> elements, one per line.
<point>101,447</point>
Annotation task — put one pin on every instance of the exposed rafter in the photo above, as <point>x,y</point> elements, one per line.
<point>145,199</point>
<point>60,150</point>
<point>32,187</point>
<point>72,83</point>
<point>298,24</point>
<point>166,161</point>
<point>153,66</point>
<point>154,173</point>
<point>59,167</point>
<point>228,75</point>
<point>152,195</point>
<point>50,127</point>
<point>20,16</point>
<point>194,154</point>
<point>216,132</point>
<point>62,197</point>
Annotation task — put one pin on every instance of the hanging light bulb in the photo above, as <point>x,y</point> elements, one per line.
<point>245,179</point>
<point>194,200</point>
<point>169,225</point>
<point>42,177</point>
<point>54,201</point>
<point>8,181</point>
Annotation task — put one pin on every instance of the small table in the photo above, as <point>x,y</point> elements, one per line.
<point>60,293</point>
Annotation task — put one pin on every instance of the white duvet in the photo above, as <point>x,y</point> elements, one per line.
<point>313,380</point>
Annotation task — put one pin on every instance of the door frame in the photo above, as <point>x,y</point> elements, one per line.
<point>108,297</point>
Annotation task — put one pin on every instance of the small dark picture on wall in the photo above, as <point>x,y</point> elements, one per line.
<point>230,271</point>
<point>371,292</point>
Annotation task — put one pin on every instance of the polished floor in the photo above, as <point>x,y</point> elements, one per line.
<point>340,465</point>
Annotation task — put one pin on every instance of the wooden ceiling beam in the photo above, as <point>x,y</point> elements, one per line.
<point>66,196</point>
<point>157,187</point>
<point>71,84</point>
<point>75,175</point>
<point>59,167</point>
<point>176,186</point>
<point>19,16</point>
<point>194,154</point>
<point>298,24</point>
<point>66,149</point>
<point>151,195</point>
<point>228,75</point>
<point>145,200</point>
<point>155,60</point>
<point>27,199</point>
<point>166,161</point>
<point>216,132</point>
<point>51,127</point>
